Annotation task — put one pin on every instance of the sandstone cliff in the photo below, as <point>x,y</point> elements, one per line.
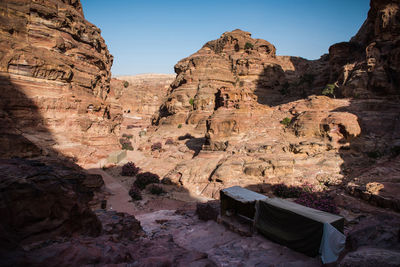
<point>270,119</point>
<point>55,78</point>
<point>369,65</point>
<point>234,70</point>
<point>141,95</point>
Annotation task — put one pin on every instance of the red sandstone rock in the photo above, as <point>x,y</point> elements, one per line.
<point>55,76</point>
<point>239,95</point>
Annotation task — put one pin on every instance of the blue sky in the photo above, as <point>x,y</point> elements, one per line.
<point>150,36</point>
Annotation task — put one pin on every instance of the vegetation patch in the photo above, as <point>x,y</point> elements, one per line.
<point>129,169</point>
<point>135,193</point>
<point>156,146</point>
<point>329,90</point>
<point>126,144</point>
<point>248,46</point>
<point>306,195</point>
<point>156,190</point>
<point>317,201</point>
<point>146,178</point>
<point>126,84</point>
<point>286,121</point>
<point>284,191</point>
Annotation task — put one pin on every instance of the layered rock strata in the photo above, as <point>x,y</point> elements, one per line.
<point>55,78</point>
<point>233,71</point>
<point>264,122</point>
<point>141,96</point>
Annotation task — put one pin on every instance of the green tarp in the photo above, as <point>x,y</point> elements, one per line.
<point>242,201</point>
<point>293,225</point>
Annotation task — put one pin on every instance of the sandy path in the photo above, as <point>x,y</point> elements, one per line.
<point>119,199</point>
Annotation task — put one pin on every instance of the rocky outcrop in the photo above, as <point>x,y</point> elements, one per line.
<point>370,257</point>
<point>40,201</point>
<point>55,78</point>
<point>141,96</point>
<point>234,71</point>
<point>271,119</point>
<point>369,65</point>
<point>122,242</point>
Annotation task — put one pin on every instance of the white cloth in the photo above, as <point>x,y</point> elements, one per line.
<point>332,243</point>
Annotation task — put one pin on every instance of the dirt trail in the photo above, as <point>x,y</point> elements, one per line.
<point>119,199</point>
<point>159,218</point>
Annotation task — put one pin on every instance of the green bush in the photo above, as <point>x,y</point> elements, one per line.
<point>191,101</point>
<point>179,125</point>
<point>329,90</point>
<point>127,146</point>
<point>126,84</point>
<point>248,46</point>
<point>286,121</point>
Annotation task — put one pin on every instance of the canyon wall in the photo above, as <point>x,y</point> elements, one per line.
<point>141,95</point>
<point>54,84</point>
<point>271,119</point>
<point>55,79</point>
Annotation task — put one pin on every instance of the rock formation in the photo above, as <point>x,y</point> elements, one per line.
<point>55,78</point>
<point>143,94</point>
<point>265,120</point>
<point>234,71</point>
<point>236,114</point>
<point>40,201</point>
<point>140,96</point>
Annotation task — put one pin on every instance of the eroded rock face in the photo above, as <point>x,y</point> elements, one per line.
<point>234,71</point>
<point>140,97</point>
<point>369,65</point>
<point>269,119</point>
<point>55,76</point>
<point>41,201</point>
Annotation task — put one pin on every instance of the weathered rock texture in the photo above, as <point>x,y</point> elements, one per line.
<point>141,96</point>
<point>41,201</point>
<point>264,122</point>
<point>233,71</point>
<point>54,76</point>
